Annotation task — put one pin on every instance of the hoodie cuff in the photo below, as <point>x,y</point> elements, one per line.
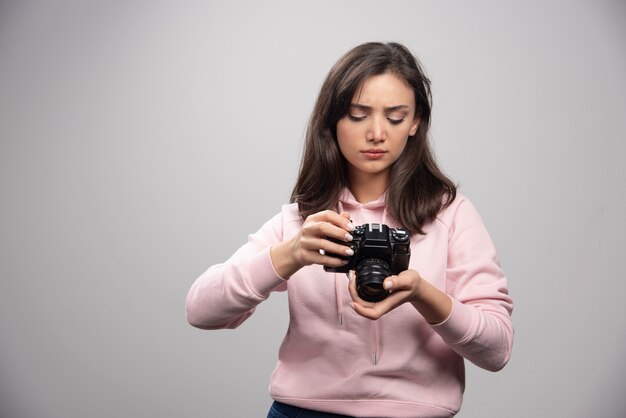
<point>261,275</point>
<point>456,327</point>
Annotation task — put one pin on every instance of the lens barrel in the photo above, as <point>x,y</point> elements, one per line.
<point>370,274</point>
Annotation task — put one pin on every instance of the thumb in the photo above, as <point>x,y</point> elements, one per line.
<point>404,280</point>
<point>396,282</point>
<point>391,283</point>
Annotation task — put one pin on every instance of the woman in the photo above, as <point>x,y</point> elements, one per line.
<point>367,161</point>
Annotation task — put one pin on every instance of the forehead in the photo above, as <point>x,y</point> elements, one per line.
<point>386,90</point>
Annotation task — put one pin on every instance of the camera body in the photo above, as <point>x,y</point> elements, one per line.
<point>379,252</point>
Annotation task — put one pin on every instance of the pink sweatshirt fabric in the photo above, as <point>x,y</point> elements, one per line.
<point>334,360</point>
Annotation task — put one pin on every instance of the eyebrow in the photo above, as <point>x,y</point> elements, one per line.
<point>388,109</point>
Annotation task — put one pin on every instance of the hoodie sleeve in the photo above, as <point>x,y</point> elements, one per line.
<point>227,294</point>
<point>479,327</point>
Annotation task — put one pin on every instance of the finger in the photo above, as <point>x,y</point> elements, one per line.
<point>391,283</point>
<point>326,247</point>
<point>320,257</point>
<point>367,312</point>
<point>330,261</point>
<point>352,286</point>
<point>328,230</point>
<point>406,280</point>
<point>354,294</point>
<point>341,221</point>
<point>378,309</point>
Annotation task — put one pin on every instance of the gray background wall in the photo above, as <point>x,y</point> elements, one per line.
<point>140,142</point>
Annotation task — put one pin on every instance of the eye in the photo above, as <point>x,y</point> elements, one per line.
<point>356,118</point>
<point>395,121</point>
<point>396,117</point>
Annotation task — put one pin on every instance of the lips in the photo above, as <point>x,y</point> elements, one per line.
<point>374,153</point>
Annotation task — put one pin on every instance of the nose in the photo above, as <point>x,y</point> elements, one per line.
<point>376,131</point>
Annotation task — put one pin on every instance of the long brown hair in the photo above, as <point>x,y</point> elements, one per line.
<point>417,188</point>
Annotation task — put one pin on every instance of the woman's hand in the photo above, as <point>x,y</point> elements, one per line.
<point>311,244</point>
<point>408,286</point>
<point>403,288</point>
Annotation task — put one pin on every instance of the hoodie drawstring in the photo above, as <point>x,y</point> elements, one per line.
<point>374,325</point>
<point>339,284</point>
<point>374,338</point>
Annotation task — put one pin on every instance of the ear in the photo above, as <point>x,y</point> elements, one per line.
<point>414,126</point>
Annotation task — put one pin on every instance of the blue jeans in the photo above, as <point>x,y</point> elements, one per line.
<point>282,410</point>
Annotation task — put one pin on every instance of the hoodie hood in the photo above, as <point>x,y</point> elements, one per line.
<point>347,201</point>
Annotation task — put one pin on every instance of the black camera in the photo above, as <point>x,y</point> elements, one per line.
<point>379,252</point>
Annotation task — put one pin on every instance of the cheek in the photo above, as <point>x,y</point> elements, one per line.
<point>400,147</point>
<point>346,136</point>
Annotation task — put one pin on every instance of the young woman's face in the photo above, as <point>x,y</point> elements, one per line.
<point>374,133</point>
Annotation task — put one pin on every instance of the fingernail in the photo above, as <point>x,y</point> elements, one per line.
<point>352,306</point>
<point>387,285</point>
<point>348,237</point>
<point>351,227</point>
<point>349,252</point>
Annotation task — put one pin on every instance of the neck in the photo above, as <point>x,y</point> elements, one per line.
<point>367,187</point>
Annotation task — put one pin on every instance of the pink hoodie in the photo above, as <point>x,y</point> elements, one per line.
<point>334,360</point>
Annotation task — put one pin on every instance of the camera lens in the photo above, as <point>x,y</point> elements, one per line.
<point>370,274</point>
